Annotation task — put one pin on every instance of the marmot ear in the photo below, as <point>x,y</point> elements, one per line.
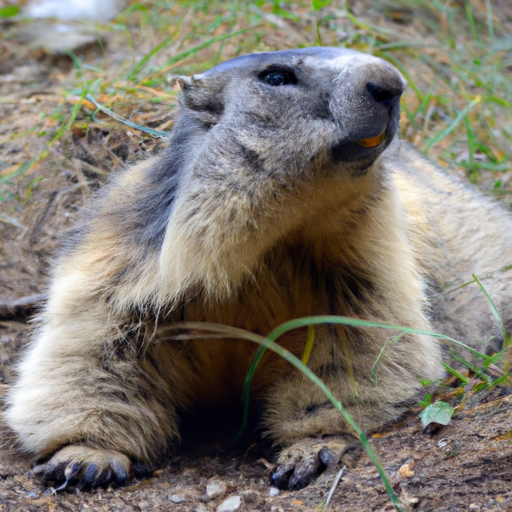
<point>203,96</point>
<point>185,82</point>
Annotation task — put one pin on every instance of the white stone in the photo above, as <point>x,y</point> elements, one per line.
<point>229,505</point>
<point>176,498</point>
<point>215,488</point>
<point>99,10</point>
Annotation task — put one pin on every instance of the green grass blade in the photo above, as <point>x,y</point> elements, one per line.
<point>63,129</point>
<point>310,339</point>
<point>21,169</point>
<point>500,380</point>
<point>150,54</point>
<point>469,14</point>
<point>249,376</point>
<point>446,131</point>
<point>356,322</point>
<point>485,276</point>
<point>268,343</point>
<point>494,310</point>
<point>131,124</point>
<point>455,373</point>
<point>471,144</point>
<point>404,72</point>
<point>6,219</point>
<point>374,367</point>
<point>187,53</point>
<point>473,368</point>
<point>490,24</point>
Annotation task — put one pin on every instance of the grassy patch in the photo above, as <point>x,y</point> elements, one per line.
<point>455,57</point>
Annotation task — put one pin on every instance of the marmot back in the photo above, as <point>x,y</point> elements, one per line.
<point>282,194</point>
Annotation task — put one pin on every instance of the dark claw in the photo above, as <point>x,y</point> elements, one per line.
<point>304,474</point>
<point>295,483</point>
<point>90,474</point>
<point>105,478</point>
<point>119,472</point>
<point>327,458</point>
<point>282,476</point>
<point>102,478</point>
<point>72,470</point>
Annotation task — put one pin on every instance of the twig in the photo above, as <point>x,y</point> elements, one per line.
<point>44,215</point>
<point>333,488</point>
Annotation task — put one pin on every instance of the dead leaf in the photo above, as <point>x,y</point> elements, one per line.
<point>406,470</point>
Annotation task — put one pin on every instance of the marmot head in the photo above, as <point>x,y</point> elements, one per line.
<point>295,111</point>
<point>265,145</point>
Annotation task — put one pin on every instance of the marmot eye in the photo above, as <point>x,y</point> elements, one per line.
<point>279,77</point>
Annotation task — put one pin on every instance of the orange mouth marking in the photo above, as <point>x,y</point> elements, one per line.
<point>372,142</point>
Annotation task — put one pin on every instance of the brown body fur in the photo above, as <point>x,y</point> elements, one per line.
<point>105,373</point>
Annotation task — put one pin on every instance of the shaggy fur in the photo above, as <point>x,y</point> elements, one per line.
<point>266,207</point>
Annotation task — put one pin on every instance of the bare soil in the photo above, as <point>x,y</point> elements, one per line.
<point>465,466</point>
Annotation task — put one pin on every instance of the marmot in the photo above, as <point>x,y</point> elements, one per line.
<point>282,194</point>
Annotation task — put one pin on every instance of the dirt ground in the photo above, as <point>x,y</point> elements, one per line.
<point>465,466</point>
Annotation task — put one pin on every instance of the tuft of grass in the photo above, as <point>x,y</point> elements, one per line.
<point>507,339</point>
<point>455,59</point>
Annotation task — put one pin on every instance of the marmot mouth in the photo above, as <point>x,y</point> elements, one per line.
<point>365,149</point>
<point>372,142</point>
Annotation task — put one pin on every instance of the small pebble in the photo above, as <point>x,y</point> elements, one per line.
<point>274,491</point>
<point>215,489</point>
<point>229,505</point>
<point>176,498</point>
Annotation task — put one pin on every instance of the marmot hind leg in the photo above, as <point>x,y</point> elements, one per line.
<point>312,431</point>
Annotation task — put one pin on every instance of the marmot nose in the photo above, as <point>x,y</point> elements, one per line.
<point>387,92</point>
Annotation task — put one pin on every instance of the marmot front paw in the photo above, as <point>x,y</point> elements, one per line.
<point>302,463</point>
<point>82,467</point>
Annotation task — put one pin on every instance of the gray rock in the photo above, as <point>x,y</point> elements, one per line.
<point>56,38</point>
